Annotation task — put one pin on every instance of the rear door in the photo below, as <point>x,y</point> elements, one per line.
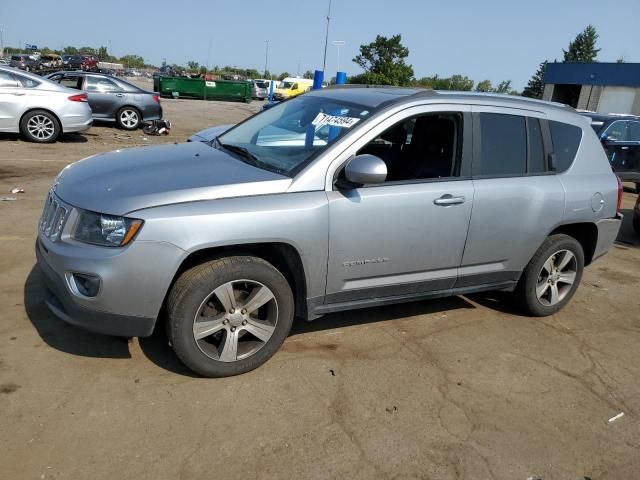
<point>517,200</point>
<point>104,96</point>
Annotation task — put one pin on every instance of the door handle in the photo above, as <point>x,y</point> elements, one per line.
<point>119,94</point>
<point>624,148</point>
<point>18,94</point>
<point>448,199</point>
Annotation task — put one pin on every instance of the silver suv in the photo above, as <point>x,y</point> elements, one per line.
<point>335,200</point>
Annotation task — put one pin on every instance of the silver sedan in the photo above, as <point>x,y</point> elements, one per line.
<point>40,109</point>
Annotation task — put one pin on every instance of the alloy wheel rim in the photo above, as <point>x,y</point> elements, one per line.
<point>41,127</point>
<point>129,118</point>
<point>556,278</point>
<point>235,320</point>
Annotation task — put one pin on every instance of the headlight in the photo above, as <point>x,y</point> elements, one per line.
<point>105,230</point>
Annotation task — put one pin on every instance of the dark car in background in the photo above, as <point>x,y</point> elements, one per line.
<point>112,99</point>
<point>72,62</point>
<point>25,62</point>
<point>620,136</point>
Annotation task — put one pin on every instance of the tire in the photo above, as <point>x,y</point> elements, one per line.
<point>40,126</point>
<point>206,347</point>
<point>126,116</point>
<point>536,277</point>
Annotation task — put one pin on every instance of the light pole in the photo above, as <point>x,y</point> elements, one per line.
<point>266,57</point>
<point>338,44</point>
<point>1,44</point>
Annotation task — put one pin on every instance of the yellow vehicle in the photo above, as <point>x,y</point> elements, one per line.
<point>50,60</point>
<point>292,86</point>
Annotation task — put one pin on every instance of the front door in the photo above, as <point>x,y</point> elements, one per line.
<point>12,101</point>
<point>404,237</point>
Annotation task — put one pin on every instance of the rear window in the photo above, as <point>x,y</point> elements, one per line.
<point>503,144</point>
<point>566,140</point>
<point>27,82</point>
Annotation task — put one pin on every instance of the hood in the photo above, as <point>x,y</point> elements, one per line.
<point>122,181</point>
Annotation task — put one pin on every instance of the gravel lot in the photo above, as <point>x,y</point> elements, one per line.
<point>455,388</point>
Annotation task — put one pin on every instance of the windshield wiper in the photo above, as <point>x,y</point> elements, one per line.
<point>242,151</point>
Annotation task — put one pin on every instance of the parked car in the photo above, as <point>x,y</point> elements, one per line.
<point>4,62</point>
<point>620,136</point>
<point>259,90</point>
<point>39,109</point>
<point>371,196</point>
<point>112,99</point>
<point>291,87</point>
<point>72,62</point>
<point>24,62</point>
<point>89,62</point>
<point>208,134</point>
<point>51,60</point>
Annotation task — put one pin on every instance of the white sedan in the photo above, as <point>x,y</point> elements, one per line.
<point>40,109</point>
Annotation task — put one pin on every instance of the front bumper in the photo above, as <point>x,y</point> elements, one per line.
<point>63,306</point>
<point>133,283</point>
<point>608,229</point>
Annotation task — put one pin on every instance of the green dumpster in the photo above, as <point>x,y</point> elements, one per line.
<point>182,87</point>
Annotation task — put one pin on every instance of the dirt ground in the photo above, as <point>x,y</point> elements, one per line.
<point>455,388</point>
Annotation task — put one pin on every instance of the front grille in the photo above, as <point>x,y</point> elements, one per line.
<point>53,217</point>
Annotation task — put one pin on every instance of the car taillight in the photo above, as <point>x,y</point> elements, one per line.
<point>156,98</point>
<point>81,97</point>
<point>620,190</point>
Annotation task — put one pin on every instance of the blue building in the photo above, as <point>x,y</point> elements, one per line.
<point>597,87</point>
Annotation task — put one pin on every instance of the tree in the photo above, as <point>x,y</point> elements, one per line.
<point>535,87</point>
<point>583,48</point>
<point>308,74</point>
<point>503,87</point>
<point>283,75</point>
<point>455,82</point>
<point>383,61</point>
<point>193,65</point>
<point>484,86</point>
<point>132,61</point>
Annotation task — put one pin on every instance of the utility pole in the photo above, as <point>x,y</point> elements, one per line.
<point>338,44</point>
<point>266,57</point>
<point>326,39</point>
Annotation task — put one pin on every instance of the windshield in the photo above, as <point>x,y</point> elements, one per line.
<point>261,85</point>
<point>285,137</point>
<point>286,85</point>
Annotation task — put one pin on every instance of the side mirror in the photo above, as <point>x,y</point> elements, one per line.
<point>607,138</point>
<point>363,169</point>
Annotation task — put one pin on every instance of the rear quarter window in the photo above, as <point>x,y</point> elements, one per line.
<point>566,140</point>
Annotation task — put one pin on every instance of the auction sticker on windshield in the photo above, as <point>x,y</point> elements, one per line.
<point>323,119</point>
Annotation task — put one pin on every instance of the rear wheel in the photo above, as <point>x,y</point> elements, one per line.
<point>229,316</point>
<point>552,276</point>
<point>128,118</point>
<point>40,126</point>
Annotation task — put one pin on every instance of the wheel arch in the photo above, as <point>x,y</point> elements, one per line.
<point>282,256</point>
<point>586,233</point>
<point>48,110</point>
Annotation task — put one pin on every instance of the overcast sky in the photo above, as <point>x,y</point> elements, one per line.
<point>492,39</point>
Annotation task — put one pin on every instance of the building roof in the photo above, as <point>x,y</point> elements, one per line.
<point>613,74</point>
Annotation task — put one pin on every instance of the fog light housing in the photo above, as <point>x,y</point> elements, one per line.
<point>84,284</point>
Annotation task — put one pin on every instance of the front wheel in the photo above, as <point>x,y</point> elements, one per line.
<point>552,276</point>
<point>229,316</point>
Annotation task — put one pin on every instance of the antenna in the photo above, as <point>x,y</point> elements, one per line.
<point>326,39</point>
